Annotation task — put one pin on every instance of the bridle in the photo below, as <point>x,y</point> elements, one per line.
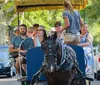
<point>51,45</point>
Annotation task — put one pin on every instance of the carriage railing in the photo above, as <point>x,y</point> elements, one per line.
<point>96,54</point>
<point>21,56</point>
<point>19,53</point>
<point>96,50</point>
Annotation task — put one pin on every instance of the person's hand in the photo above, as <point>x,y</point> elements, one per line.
<point>34,33</point>
<point>60,30</point>
<point>80,45</point>
<point>23,51</point>
<point>18,49</point>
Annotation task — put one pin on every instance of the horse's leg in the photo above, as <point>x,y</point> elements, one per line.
<point>53,82</point>
<point>69,82</point>
<point>65,82</point>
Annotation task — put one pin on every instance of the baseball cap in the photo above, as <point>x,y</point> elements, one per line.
<point>15,29</point>
<point>41,27</point>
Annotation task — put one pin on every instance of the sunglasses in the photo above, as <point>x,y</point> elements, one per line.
<point>57,25</point>
<point>40,29</point>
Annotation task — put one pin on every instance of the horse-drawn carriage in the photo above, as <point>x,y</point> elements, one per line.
<point>44,66</point>
<point>53,64</point>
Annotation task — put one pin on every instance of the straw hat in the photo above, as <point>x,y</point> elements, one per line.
<point>41,27</point>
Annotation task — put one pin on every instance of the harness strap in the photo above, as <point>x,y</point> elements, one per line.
<point>50,54</point>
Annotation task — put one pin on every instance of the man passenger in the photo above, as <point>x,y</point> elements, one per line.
<point>20,44</point>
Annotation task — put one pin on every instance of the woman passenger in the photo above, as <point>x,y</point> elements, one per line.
<point>39,35</point>
<point>86,41</point>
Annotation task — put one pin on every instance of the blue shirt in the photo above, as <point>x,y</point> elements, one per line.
<point>74,20</point>
<point>26,43</point>
<point>38,42</point>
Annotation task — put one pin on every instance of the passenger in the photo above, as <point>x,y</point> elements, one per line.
<point>41,34</point>
<point>14,33</point>
<point>30,31</point>
<point>72,22</point>
<point>35,25</point>
<point>86,41</point>
<point>34,35</point>
<point>20,44</point>
<point>58,27</point>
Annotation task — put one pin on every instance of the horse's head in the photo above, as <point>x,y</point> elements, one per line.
<point>51,48</point>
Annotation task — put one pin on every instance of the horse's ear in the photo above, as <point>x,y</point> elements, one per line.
<point>55,36</point>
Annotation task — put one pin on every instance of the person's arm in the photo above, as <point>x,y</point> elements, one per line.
<point>66,21</point>
<point>84,44</point>
<point>11,46</point>
<point>67,24</point>
<point>34,41</point>
<point>12,49</point>
<point>89,40</point>
<point>81,21</point>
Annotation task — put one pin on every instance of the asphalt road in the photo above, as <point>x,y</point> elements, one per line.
<point>95,82</point>
<point>9,81</point>
<point>13,81</point>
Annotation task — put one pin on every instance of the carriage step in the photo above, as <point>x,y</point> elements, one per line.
<point>90,79</point>
<point>41,83</point>
<point>22,79</point>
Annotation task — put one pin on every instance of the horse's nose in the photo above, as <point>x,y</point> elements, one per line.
<point>51,69</point>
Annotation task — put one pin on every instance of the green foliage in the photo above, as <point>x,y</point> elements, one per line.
<point>91,15</point>
<point>44,17</point>
<point>14,22</point>
<point>8,5</point>
<point>95,31</point>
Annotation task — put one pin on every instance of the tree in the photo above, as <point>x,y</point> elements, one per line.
<point>92,17</point>
<point>6,17</point>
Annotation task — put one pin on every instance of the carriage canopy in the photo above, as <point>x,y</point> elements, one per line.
<point>34,5</point>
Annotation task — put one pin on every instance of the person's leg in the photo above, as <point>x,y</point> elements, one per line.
<point>17,66</point>
<point>69,38</point>
<point>23,64</point>
<point>24,67</point>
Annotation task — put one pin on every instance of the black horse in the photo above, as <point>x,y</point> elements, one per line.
<point>60,63</point>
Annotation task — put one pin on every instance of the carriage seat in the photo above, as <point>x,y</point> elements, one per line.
<point>80,57</point>
<point>81,60</point>
<point>34,57</point>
